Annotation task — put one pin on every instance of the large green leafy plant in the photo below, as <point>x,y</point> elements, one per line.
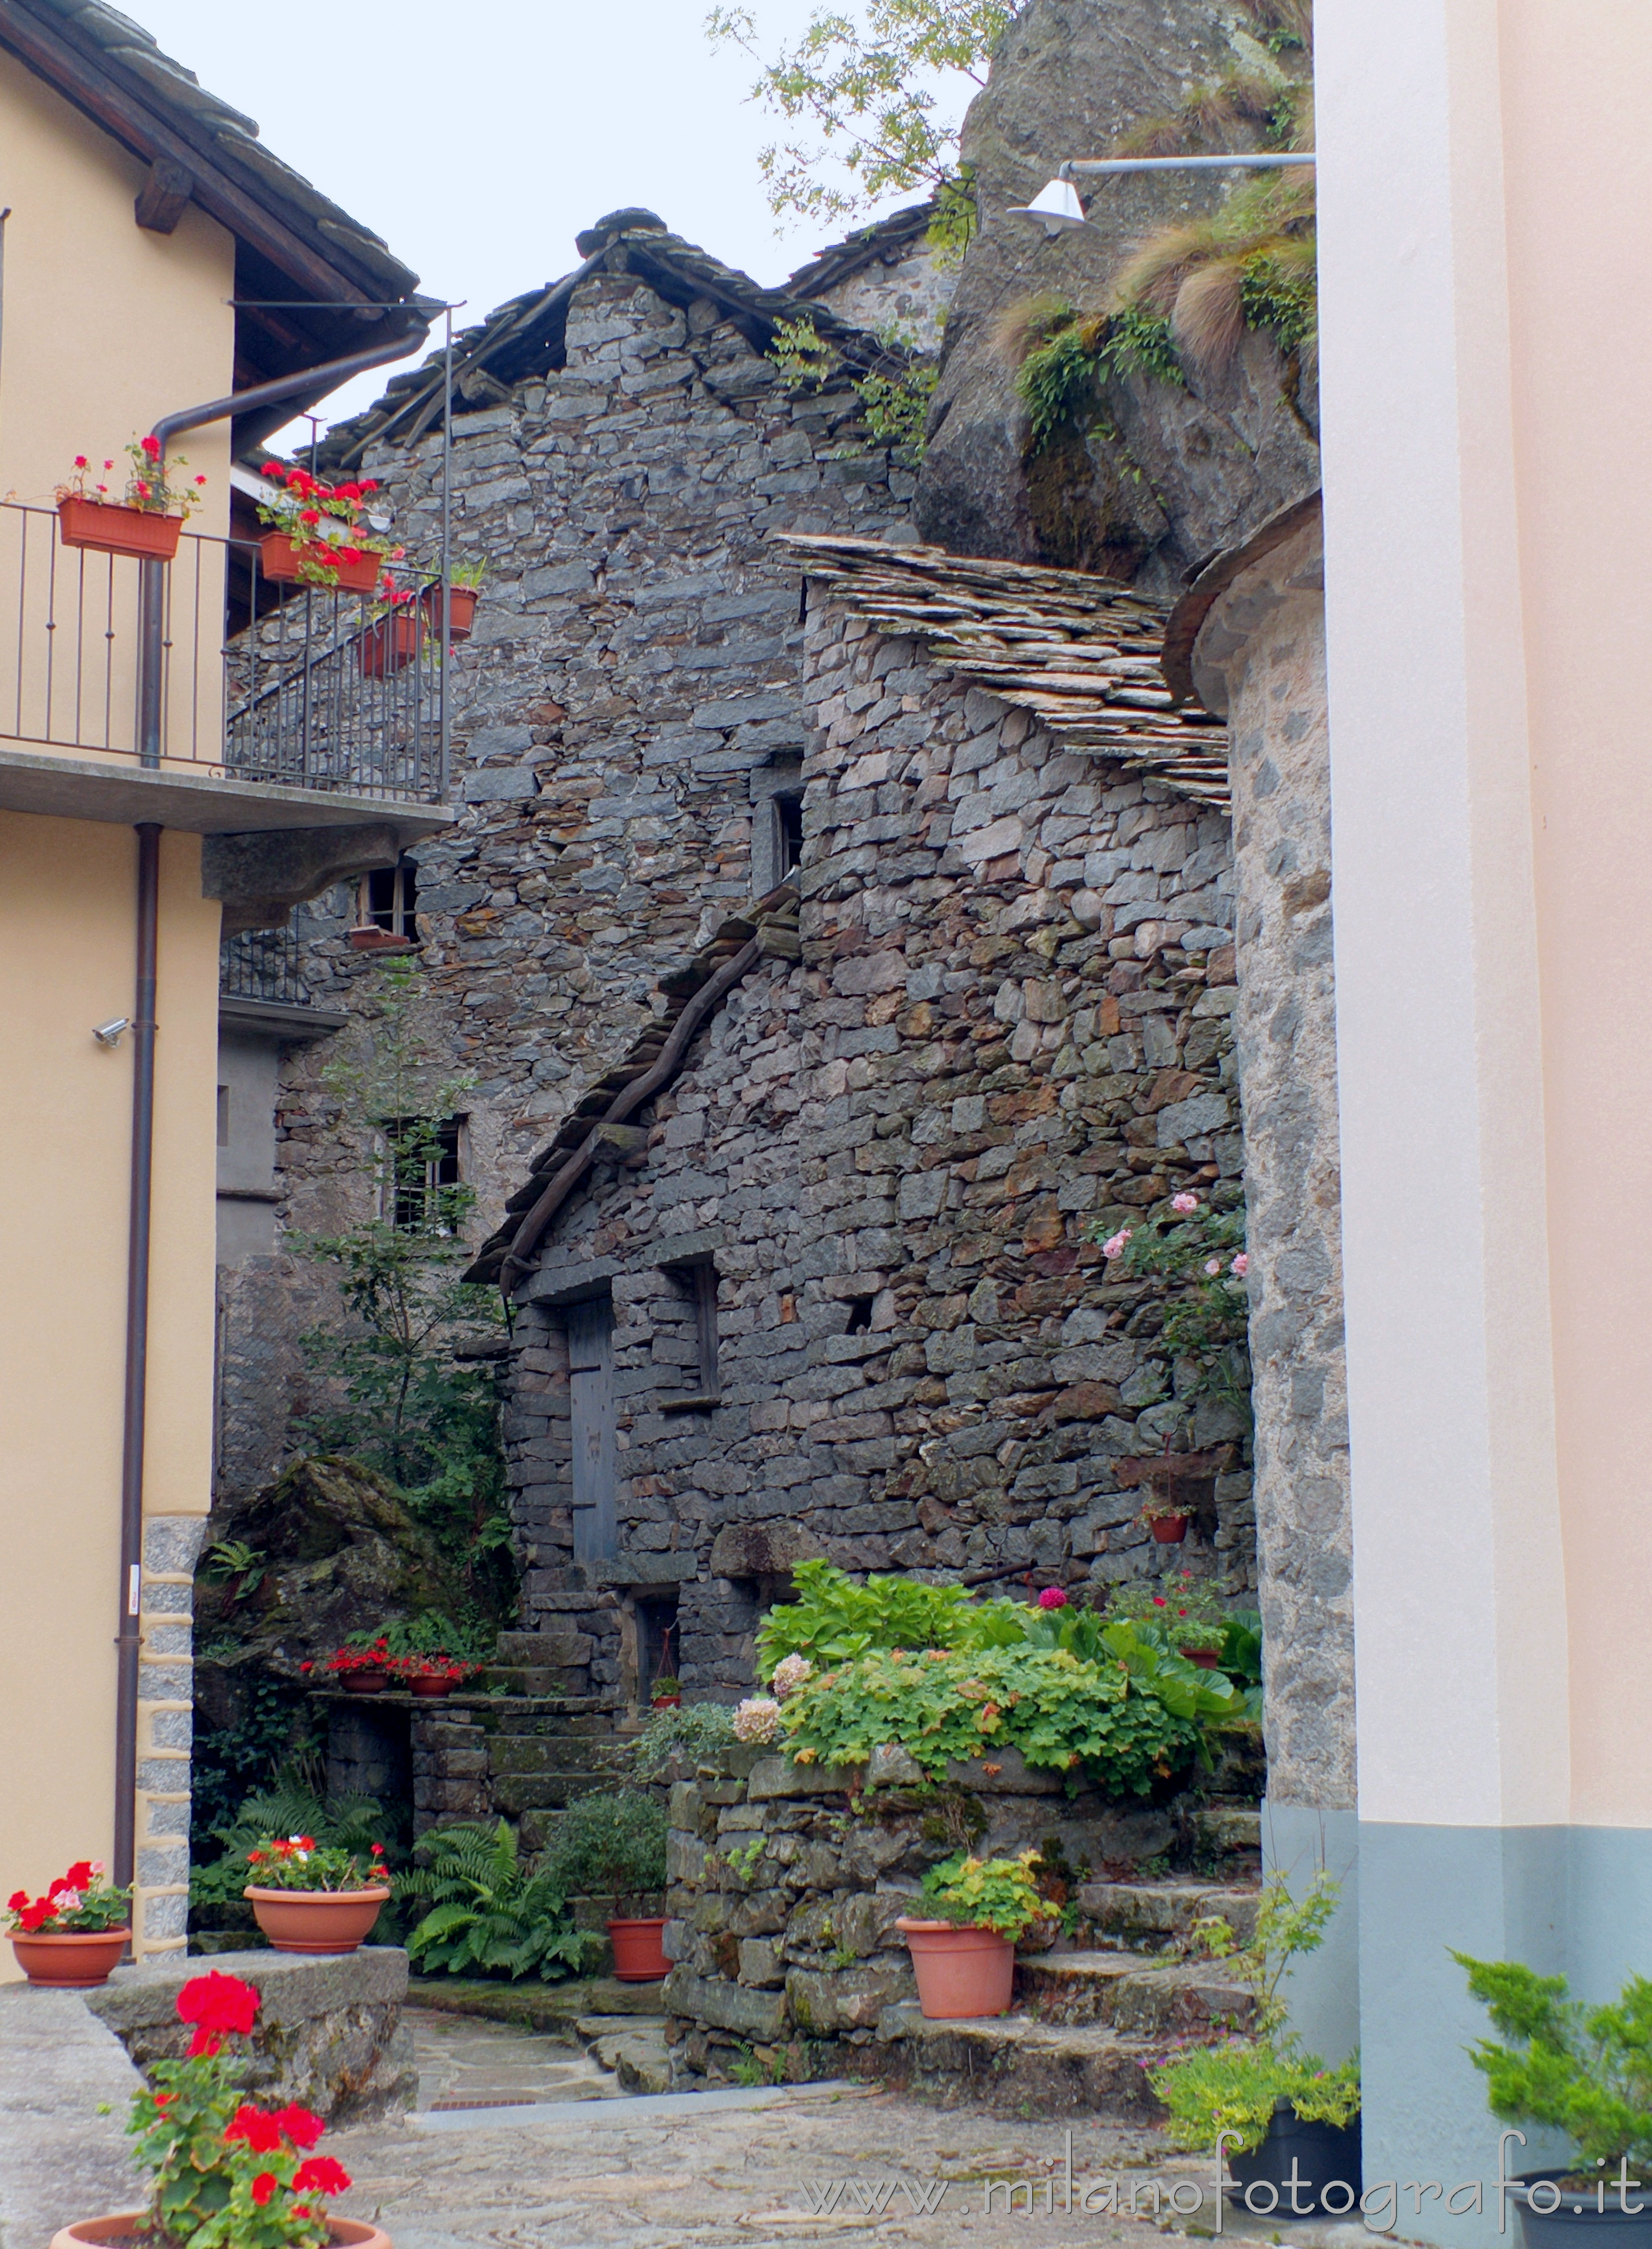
<point>490,1914</point>
<point>1081,1719</point>
<point>833,1619</point>
<point>1001,1894</point>
<point>697,1729</point>
<point>1585,2070</point>
<point>609,1844</point>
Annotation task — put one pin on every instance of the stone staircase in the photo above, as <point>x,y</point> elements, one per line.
<point>1091,2019</point>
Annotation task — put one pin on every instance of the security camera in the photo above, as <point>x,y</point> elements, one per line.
<point>109,1034</point>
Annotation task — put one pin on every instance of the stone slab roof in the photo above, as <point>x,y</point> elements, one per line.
<point>115,73</point>
<point>525,336</point>
<point>1081,653</point>
<point>885,241</point>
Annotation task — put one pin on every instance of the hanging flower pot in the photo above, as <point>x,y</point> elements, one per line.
<point>287,562</point>
<point>109,528</point>
<point>639,1950</point>
<point>389,644</point>
<point>1168,1530</point>
<point>316,1920</point>
<point>371,939</point>
<point>74,1962</point>
<point>342,2232</point>
<point>962,1973</point>
<point>461,609</point>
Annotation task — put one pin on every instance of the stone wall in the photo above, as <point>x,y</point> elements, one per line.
<point>627,709</point>
<point>900,1154</point>
<point>1261,654</point>
<point>786,1883</point>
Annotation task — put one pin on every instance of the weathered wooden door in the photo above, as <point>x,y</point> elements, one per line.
<point>590,1381</point>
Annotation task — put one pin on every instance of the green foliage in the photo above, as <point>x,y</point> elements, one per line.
<point>743,1857</point>
<point>274,1725</point>
<point>698,1729</point>
<point>895,407</point>
<point>431,1633</point>
<point>489,1915</point>
<point>1140,342</point>
<point>289,1805</point>
<point>611,1845</point>
<point>404,1398</point>
<point>833,1619</point>
<point>751,2070</point>
<point>233,1557</point>
<point>873,94</point>
<point>1001,1894</point>
<point>1279,293</point>
<point>1585,2070</point>
<point>1233,2088</point>
<point>1286,1927</point>
<point>1071,356</point>
<point>1197,1260</point>
<point>181,2143</point>
<point>943,1704</point>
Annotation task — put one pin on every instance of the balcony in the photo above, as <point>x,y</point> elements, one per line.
<point>262,991</point>
<point>313,713</point>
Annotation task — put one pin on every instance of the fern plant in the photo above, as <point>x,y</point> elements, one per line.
<point>490,1915</point>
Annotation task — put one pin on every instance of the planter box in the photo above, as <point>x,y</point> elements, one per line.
<point>146,536</point>
<point>280,557</point>
<point>1325,2155</point>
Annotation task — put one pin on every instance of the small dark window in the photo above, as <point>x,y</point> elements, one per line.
<point>789,812</point>
<point>859,1315</point>
<point>699,1280</point>
<point>389,900</point>
<point>424,1174</point>
<point>656,1643</point>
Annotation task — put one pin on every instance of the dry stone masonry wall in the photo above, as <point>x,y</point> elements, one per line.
<point>898,1155</point>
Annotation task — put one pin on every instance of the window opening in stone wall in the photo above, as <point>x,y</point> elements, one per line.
<point>224,1116</point>
<point>389,900</point>
<point>590,1332</point>
<point>657,1656</point>
<point>423,1172</point>
<point>790,811</point>
<point>777,822</point>
<point>859,1315</point>
<point>698,1281</point>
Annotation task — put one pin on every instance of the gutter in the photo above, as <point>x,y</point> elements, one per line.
<point>151,662</point>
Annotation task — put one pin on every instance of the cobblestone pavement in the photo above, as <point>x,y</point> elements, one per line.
<point>466,2066</point>
<point>749,2167</point>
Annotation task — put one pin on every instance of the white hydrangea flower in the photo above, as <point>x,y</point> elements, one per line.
<point>790,1673</point>
<point>757,1719</point>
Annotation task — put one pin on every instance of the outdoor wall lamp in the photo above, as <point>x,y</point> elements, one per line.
<point>109,1034</point>
<point>1057,208</point>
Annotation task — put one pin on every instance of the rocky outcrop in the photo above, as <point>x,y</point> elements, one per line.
<point>1193,471</point>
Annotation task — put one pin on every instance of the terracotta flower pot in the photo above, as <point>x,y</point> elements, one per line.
<point>389,644</point>
<point>365,1682</point>
<point>665,1703</point>
<point>115,530</point>
<point>961,1973</point>
<point>1207,1658</point>
<point>316,1920</point>
<point>70,1960</point>
<point>639,1954</point>
<point>461,609</point>
<point>430,1688</point>
<point>280,557</point>
<point>342,2232</point>
<point>1170,1529</point>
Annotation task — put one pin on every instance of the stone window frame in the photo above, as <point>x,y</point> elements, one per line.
<point>699,1279</point>
<point>776,820</point>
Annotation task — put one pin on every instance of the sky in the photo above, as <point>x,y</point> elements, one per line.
<point>478,139</point>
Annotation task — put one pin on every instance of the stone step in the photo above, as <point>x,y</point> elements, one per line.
<point>520,1794</point>
<point>632,2046</point>
<point>552,2009</point>
<point>541,1753</point>
<point>1181,2000</point>
<point>1159,1916</point>
<point>1227,1831</point>
<point>1013,2063</point>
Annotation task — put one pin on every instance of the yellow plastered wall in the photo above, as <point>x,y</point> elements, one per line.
<point>67,931</point>
<point>107,327</point>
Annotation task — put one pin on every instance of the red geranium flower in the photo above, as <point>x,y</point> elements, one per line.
<point>216,2004</point>
<point>79,1876</point>
<point>259,2128</point>
<point>302,2128</point>
<point>263,2187</point>
<point>35,1916</point>
<point>151,446</point>
<point>17,1899</point>
<point>321,2175</point>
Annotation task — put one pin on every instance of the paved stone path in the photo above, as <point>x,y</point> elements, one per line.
<point>680,2172</point>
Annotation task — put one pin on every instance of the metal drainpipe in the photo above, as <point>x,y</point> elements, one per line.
<point>127,1637</point>
<point>151,597</point>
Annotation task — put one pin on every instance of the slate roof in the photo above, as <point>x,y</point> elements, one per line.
<point>1081,653</point>
<point>525,335</point>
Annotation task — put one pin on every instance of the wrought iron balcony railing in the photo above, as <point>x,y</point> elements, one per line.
<point>262,964</point>
<point>318,690</point>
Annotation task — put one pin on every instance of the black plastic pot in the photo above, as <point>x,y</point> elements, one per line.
<point>1577,2220</point>
<point>1325,2155</point>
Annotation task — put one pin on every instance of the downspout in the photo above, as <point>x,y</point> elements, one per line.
<point>151,690</point>
<point>127,1638</point>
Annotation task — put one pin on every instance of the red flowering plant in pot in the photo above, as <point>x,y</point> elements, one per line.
<point>361,1666</point>
<point>320,534</point>
<point>143,520</point>
<point>225,2173</point>
<point>72,1935</point>
<point>312,1898</point>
